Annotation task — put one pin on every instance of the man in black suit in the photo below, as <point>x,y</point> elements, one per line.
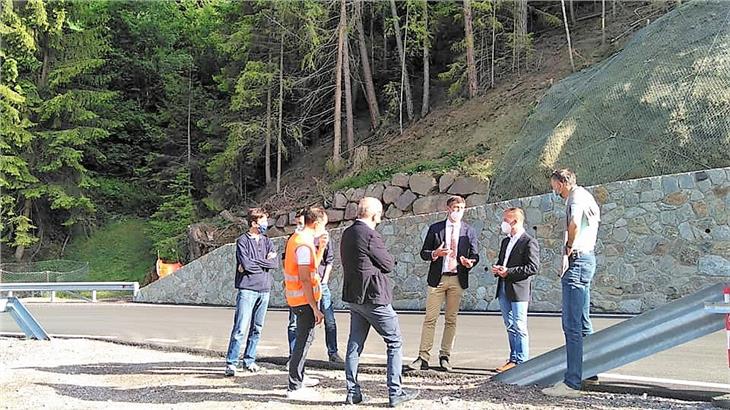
<point>369,292</point>
<point>519,260</point>
<point>451,247</point>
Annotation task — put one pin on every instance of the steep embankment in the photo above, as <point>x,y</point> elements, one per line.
<point>659,106</point>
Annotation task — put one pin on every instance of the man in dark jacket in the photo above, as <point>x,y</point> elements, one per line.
<point>369,292</point>
<point>256,258</point>
<point>519,260</point>
<point>451,247</point>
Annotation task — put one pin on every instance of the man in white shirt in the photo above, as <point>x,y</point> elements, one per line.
<point>451,247</point>
<point>519,260</point>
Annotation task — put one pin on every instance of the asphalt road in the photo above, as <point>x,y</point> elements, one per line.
<point>481,343</point>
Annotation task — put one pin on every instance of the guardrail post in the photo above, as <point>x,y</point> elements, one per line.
<point>53,296</point>
<point>93,296</point>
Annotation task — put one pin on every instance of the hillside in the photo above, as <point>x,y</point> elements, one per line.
<point>659,106</point>
<point>479,137</point>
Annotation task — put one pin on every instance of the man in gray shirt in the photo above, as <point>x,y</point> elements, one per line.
<point>579,265</point>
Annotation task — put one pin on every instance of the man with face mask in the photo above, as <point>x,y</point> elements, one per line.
<point>369,292</point>
<point>256,258</point>
<point>576,273</point>
<point>325,305</point>
<point>303,294</point>
<point>519,259</point>
<point>451,247</point>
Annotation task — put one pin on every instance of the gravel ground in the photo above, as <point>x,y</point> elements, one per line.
<point>87,374</point>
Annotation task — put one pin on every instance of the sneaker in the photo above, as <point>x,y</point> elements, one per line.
<point>310,381</point>
<point>356,399</point>
<point>562,390</point>
<point>418,364</point>
<point>336,358</point>
<point>254,368</point>
<point>592,381</point>
<point>444,362</point>
<point>230,370</point>
<point>303,394</point>
<point>505,367</point>
<point>404,396</point>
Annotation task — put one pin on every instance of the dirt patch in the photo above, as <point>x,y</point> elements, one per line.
<point>85,374</point>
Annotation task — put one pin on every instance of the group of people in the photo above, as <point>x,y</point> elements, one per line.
<point>452,250</point>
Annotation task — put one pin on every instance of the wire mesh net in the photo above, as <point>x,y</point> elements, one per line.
<point>56,270</point>
<point>660,106</point>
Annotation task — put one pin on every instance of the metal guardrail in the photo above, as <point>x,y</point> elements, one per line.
<point>651,332</point>
<point>54,287</point>
<point>27,323</point>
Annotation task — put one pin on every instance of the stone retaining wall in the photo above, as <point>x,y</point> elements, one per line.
<point>660,239</point>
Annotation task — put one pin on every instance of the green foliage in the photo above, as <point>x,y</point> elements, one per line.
<point>168,226</point>
<point>119,251</point>
<point>380,173</point>
<point>118,196</point>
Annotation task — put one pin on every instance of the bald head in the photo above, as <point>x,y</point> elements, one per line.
<point>369,207</point>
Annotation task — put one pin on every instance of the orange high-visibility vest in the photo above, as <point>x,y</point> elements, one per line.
<point>292,284</point>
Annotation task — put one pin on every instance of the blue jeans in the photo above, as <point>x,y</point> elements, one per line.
<point>576,284</point>
<point>251,308</point>
<point>514,315</point>
<point>385,321</point>
<point>330,326</point>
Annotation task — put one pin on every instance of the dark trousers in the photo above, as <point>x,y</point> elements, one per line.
<point>305,335</point>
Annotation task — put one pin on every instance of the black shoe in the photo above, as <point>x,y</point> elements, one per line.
<point>356,399</point>
<point>444,362</point>
<point>404,396</point>
<point>591,380</point>
<point>418,364</point>
<point>336,358</point>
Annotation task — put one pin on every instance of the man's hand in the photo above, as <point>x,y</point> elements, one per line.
<point>323,240</point>
<point>468,263</point>
<point>318,316</point>
<point>564,266</point>
<point>441,251</point>
<point>271,255</point>
<point>500,271</point>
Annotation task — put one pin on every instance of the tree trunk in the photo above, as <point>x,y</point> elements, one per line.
<point>572,13</point>
<point>520,31</point>
<point>406,83</point>
<point>20,250</point>
<point>350,126</point>
<point>471,71</point>
<point>567,35</point>
<point>603,22</point>
<point>367,73</point>
<point>268,130</point>
<point>426,63</point>
<point>336,156</point>
<point>281,115</point>
<point>494,37</point>
<point>190,103</point>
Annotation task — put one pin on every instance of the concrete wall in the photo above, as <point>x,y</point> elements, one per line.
<point>660,238</point>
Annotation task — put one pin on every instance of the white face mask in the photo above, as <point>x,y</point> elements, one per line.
<point>456,216</point>
<point>506,228</point>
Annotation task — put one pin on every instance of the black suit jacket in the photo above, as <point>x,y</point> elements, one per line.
<point>365,263</point>
<point>467,248</point>
<point>524,261</point>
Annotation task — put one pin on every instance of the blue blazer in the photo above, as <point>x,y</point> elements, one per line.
<point>467,248</point>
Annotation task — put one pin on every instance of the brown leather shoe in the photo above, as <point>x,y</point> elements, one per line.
<point>505,367</point>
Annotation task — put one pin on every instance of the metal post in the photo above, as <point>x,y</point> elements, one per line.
<point>93,296</point>
<point>53,296</point>
<point>726,298</point>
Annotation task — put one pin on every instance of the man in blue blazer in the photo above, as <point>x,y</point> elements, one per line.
<point>451,247</point>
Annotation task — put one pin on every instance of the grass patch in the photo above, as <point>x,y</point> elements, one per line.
<point>446,162</point>
<point>119,251</point>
